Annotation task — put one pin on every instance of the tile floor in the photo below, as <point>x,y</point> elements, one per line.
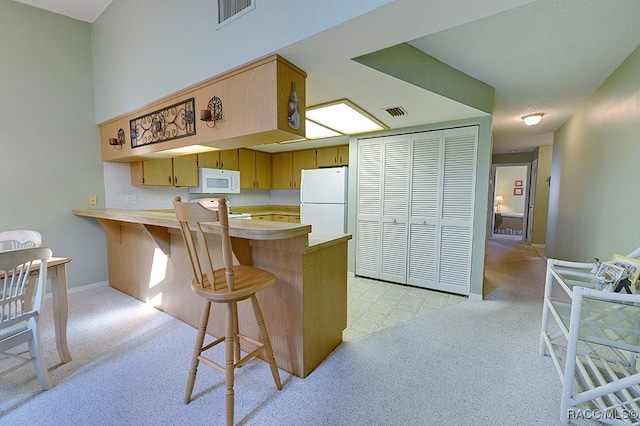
<point>374,305</point>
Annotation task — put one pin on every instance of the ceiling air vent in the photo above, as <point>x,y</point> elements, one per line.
<point>228,10</point>
<point>396,111</point>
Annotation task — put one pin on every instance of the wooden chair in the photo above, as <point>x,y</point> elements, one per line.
<point>228,285</point>
<point>15,239</point>
<point>19,324</point>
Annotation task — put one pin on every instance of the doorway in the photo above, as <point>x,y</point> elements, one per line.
<point>511,189</point>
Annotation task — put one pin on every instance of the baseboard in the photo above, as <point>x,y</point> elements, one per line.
<point>81,288</point>
<point>473,296</point>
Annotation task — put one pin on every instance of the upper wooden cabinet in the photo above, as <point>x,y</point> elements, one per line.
<point>255,110</point>
<point>333,156</point>
<point>178,171</point>
<point>302,160</point>
<point>282,170</point>
<point>255,169</point>
<point>287,167</point>
<point>227,159</point>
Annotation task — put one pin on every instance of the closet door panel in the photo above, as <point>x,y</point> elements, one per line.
<point>423,255</point>
<point>395,208</point>
<point>369,208</point>
<point>455,253</point>
<point>367,248</point>
<point>426,170</point>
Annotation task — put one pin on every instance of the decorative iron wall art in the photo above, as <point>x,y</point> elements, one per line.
<point>173,122</point>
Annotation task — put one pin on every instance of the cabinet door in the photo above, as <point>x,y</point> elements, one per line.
<point>327,157</point>
<point>158,172</point>
<point>343,155</point>
<point>263,170</point>
<point>281,169</point>
<point>185,170</point>
<point>247,163</point>
<point>302,160</point>
<point>209,160</point>
<point>229,159</point>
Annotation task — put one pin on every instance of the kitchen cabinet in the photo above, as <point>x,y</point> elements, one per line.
<point>332,156</point>
<point>262,217</point>
<point>415,208</point>
<point>226,159</point>
<point>255,169</point>
<point>282,172</point>
<point>302,160</point>
<point>177,171</point>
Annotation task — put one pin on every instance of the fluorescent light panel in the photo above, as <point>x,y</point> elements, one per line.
<point>344,117</point>
<point>316,131</point>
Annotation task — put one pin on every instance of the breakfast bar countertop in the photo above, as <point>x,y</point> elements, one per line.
<point>240,228</point>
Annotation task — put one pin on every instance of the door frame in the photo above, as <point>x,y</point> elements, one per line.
<point>492,195</point>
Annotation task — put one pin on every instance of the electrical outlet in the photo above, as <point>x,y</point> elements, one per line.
<point>131,199</point>
<point>93,200</point>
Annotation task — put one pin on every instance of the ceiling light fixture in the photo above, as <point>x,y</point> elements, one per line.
<point>532,119</point>
<point>344,117</point>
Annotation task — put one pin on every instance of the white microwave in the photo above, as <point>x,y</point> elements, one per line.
<point>216,181</point>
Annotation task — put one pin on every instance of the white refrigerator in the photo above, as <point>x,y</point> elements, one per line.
<point>323,199</point>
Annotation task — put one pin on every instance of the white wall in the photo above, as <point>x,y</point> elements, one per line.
<point>144,50</point>
<point>593,201</point>
<point>51,161</point>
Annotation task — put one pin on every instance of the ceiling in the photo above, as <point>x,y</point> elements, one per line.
<point>545,56</point>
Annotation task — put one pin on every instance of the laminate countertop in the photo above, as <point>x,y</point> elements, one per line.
<point>239,228</point>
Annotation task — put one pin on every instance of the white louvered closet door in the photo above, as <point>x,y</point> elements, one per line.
<point>458,189</point>
<point>395,208</point>
<point>369,207</point>
<point>426,187</point>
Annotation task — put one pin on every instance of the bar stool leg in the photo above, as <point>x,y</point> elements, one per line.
<point>236,331</point>
<point>265,340</point>
<point>229,366</point>
<point>197,350</point>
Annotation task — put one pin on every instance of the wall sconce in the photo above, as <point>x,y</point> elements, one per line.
<point>117,143</point>
<point>532,119</point>
<point>213,112</point>
<point>499,201</point>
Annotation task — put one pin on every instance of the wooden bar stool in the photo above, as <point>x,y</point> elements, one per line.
<point>228,285</point>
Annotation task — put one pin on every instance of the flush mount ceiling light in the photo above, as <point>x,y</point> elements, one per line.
<point>316,131</point>
<point>532,119</point>
<point>344,117</point>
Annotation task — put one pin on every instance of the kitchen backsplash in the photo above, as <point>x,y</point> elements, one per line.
<point>120,194</point>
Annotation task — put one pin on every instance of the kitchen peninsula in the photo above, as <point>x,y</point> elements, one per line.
<point>305,311</point>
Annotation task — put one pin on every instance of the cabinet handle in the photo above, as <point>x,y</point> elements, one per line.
<point>217,164</point>
<point>221,165</point>
<point>170,180</point>
<point>335,160</point>
<point>341,159</point>
<point>176,181</point>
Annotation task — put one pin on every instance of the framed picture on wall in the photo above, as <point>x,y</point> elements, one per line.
<point>517,191</point>
<point>518,183</point>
